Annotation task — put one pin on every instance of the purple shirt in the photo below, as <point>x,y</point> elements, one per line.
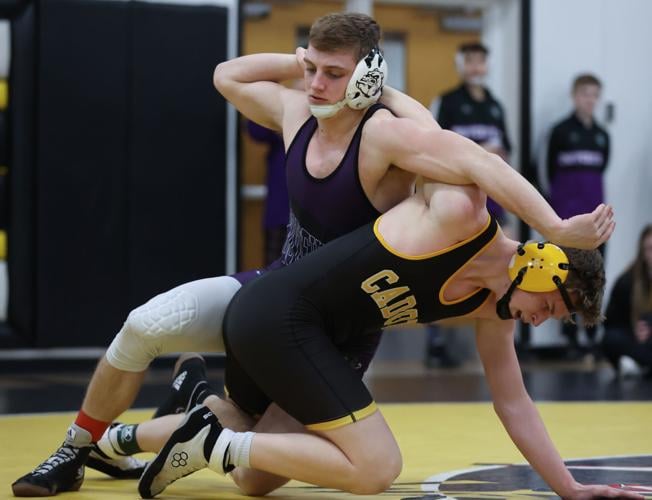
<point>277,206</point>
<point>577,158</point>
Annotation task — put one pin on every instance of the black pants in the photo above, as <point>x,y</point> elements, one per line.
<point>569,330</point>
<point>619,342</point>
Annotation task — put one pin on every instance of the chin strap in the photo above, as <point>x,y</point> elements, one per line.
<point>564,294</point>
<point>502,306</point>
<point>322,111</point>
<point>363,89</point>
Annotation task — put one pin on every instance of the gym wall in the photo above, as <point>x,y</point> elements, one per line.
<point>119,161</point>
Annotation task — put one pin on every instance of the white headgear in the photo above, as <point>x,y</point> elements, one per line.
<point>364,87</point>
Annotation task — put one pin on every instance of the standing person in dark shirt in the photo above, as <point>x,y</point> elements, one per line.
<point>578,153</point>
<point>277,204</point>
<point>472,111</point>
<point>628,327</point>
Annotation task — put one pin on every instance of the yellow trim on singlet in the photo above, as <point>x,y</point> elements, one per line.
<point>443,287</point>
<point>440,252</point>
<point>389,248</point>
<point>341,422</point>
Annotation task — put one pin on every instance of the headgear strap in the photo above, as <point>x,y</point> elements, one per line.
<point>364,87</point>
<point>546,263</point>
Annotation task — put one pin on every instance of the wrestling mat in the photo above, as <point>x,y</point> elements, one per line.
<point>449,450</point>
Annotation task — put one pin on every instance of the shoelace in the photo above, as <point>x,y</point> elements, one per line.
<point>62,455</point>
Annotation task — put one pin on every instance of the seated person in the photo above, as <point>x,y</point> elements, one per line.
<point>627,341</point>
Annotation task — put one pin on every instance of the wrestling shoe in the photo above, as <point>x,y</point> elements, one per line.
<point>188,450</point>
<point>188,385</point>
<point>124,467</point>
<point>62,471</point>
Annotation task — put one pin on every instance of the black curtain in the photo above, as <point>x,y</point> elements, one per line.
<point>123,193</point>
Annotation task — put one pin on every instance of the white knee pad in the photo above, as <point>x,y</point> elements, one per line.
<point>187,318</point>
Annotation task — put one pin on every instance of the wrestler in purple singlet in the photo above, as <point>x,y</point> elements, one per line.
<point>322,210</point>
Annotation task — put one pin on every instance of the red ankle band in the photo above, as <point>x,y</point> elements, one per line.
<point>95,427</point>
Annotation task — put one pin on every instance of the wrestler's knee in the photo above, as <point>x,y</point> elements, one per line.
<point>255,483</point>
<point>134,347</point>
<point>376,473</point>
<point>186,318</point>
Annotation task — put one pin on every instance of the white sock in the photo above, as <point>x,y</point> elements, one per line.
<point>217,461</point>
<point>231,448</point>
<point>239,449</point>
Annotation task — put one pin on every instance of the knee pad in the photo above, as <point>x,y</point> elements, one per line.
<point>184,319</point>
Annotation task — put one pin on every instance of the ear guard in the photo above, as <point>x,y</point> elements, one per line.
<point>536,267</point>
<point>367,80</point>
<point>364,87</point>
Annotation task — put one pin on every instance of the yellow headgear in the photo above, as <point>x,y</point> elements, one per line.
<point>536,267</point>
<point>544,261</point>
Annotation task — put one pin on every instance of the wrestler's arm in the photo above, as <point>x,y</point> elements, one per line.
<point>405,106</point>
<point>251,84</point>
<point>448,157</point>
<point>519,415</point>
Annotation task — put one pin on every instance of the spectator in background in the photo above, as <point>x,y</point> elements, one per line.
<point>627,341</point>
<point>277,205</point>
<point>472,111</point>
<point>577,157</point>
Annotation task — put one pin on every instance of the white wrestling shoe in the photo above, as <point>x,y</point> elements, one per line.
<point>188,450</point>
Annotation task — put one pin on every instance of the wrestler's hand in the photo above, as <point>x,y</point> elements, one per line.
<point>587,231</point>
<point>591,491</point>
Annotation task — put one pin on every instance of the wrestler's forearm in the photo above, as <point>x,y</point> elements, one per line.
<point>448,157</point>
<point>514,193</point>
<point>250,83</point>
<point>509,188</point>
<point>259,67</point>
<point>525,427</point>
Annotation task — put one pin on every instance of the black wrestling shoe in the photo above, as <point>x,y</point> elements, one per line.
<point>188,450</point>
<point>124,467</point>
<point>63,471</point>
<point>188,385</point>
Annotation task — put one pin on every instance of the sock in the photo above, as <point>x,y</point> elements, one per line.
<point>95,427</point>
<point>239,449</point>
<point>78,437</point>
<point>123,439</point>
<point>217,452</point>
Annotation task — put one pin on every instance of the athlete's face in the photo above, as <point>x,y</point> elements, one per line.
<point>327,74</point>
<point>475,67</point>
<point>535,308</point>
<point>585,98</point>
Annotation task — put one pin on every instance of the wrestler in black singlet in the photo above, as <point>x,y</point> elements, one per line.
<point>282,331</point>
